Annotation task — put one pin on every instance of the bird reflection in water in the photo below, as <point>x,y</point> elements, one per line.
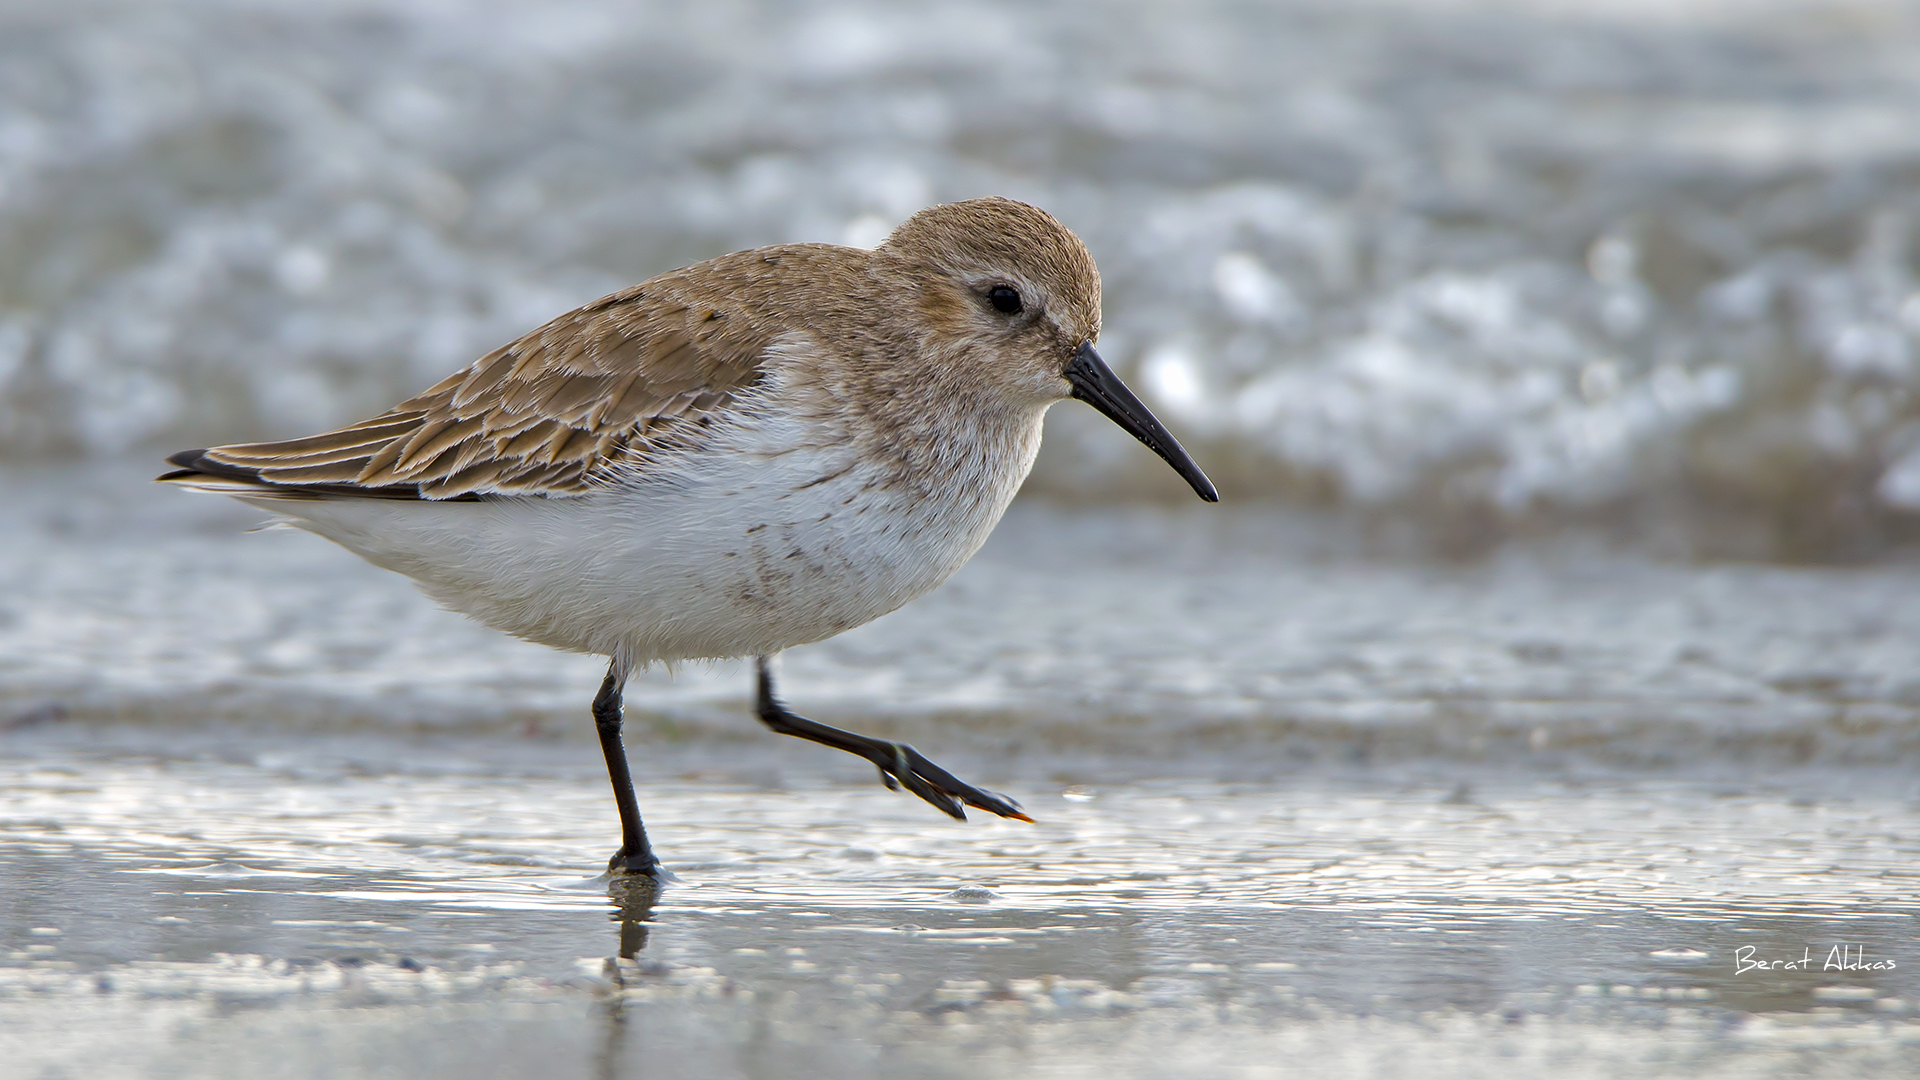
<point>633,897</point>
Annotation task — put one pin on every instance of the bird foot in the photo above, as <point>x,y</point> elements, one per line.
<point>640,864</point>
<point>946,792</point>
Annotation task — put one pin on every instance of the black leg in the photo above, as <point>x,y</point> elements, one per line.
<point>898,763</point>
<point>634,856</point>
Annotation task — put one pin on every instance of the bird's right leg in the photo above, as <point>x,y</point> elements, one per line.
<point>898,763</point>
<point>635,855</point>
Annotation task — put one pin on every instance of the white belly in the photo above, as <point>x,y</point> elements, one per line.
<point>742,550</point>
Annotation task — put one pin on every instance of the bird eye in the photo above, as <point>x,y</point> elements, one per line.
<point>1005,299</point>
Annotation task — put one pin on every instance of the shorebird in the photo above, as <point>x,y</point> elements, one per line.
<point>728,460</point>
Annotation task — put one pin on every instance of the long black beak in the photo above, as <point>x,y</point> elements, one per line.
<point>1096,384</point>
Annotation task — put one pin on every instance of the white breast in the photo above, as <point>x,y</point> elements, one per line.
<point>777,535</point>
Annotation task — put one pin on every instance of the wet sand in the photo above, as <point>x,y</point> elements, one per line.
<point>212,904</point>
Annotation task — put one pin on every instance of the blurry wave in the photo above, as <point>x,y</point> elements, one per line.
<point>1222,636</point>
<point>1466,267</point>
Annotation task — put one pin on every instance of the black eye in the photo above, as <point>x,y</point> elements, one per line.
<point>1005,299</point>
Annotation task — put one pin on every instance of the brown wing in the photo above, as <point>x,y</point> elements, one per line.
<point>546,414</point>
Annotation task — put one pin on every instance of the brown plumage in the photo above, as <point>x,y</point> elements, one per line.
<point>543,414</point>
<point>571,404</point>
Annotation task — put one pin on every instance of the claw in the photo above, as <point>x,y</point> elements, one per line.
<point>944,791</point>
<point>995,803</point>
<point>1018,814</point>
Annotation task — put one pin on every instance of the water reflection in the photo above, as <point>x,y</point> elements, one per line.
<point>633,899</point>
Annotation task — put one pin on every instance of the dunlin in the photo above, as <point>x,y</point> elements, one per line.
<point>748,454</point>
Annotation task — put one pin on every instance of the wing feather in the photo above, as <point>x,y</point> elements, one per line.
<point>553,413</point>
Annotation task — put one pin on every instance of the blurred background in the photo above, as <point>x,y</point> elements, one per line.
<point>1464,268</point>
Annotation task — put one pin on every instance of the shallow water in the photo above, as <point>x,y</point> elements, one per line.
<point>249,906</point>
<point>1303,810</point>
<point>1153,633</point>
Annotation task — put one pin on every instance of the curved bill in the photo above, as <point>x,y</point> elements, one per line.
<point>1096,384</point>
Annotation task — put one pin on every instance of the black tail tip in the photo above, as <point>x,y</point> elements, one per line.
<point>187,459</point>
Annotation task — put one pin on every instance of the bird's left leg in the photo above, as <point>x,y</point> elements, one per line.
<point>898,763</point>
<point>635,855</point>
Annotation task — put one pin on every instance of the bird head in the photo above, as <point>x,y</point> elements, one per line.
<point>1008,298</point>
